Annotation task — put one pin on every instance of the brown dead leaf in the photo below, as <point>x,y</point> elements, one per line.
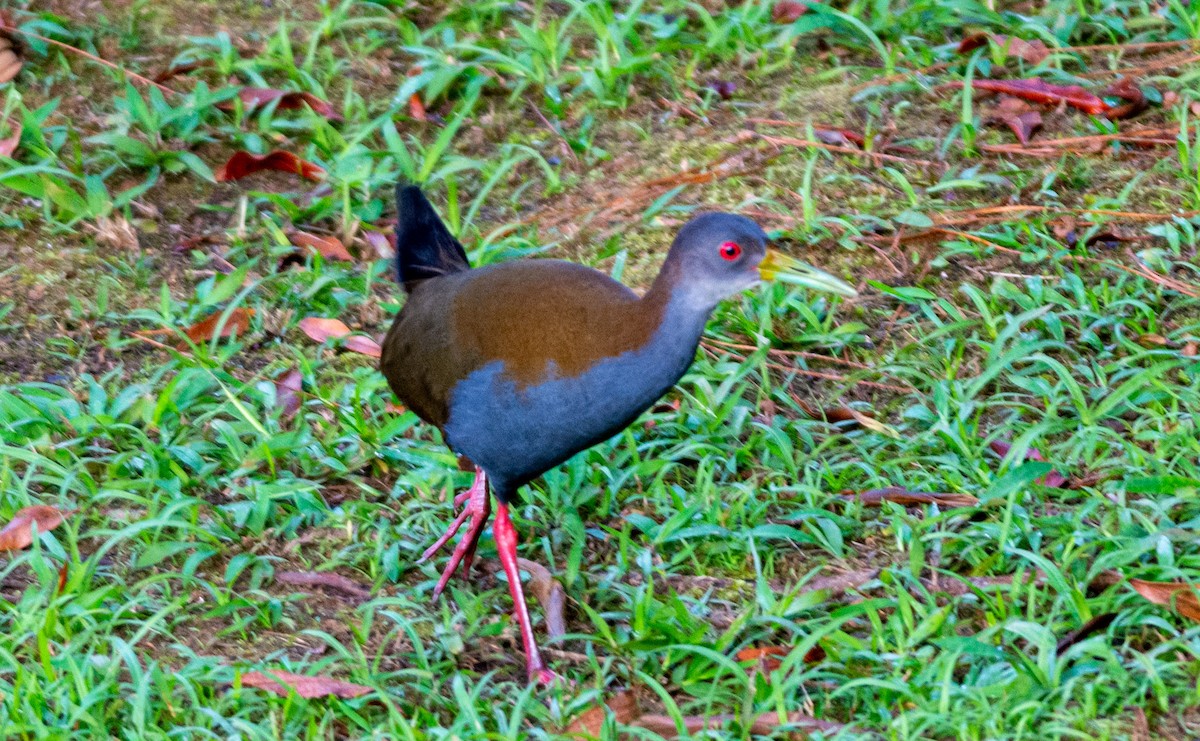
<point>764,725</point>
<point>1033,52</point>
<point>590,723</point>
<point>282,683</point>
<point>18,533</point>
<point>257,97</point>
<point>1040,91</point>
<point>787,11</point>
<point>839,414</point>
<point>769,658</point>
<point>322,329</point>
<point>1190,349</point>
<point>1017,115</point>
<point>876,497</point>
<point>839,137</point>
<point>549,594</point>
<point>416,106</point>
<point>326,579</point>
<point>8,145</point>
<point>181,69</point>
<point>1134,100</point>
<point>10,57</point>
<point>1151,341</point>
<point>116,232</point>
<point>381,242</point>
<point>1179,596</point>
<point>287,393</point>
<point>243,163</point>
<point>1095,625</point>
<point>331,248</point>
<point>207,329</point>
<point>363,345</point>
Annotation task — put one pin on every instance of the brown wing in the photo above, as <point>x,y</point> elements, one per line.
<point>536,317</point>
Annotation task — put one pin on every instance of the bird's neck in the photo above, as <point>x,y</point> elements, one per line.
<point>681,317</point>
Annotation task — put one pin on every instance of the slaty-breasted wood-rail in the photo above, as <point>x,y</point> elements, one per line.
<point>523,364</point>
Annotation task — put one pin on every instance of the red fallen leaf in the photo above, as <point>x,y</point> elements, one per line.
<point>416,107</point>
<point>18,533</point>
<point>394,408</point>
<point>10,56</point>
<point>331,248</point>
<point>1127,90</point>
<point>875,497</point>
<point>839,137</point>
<point>1095,625</point>
<point>289,100</point>
<point>589,724</point>
<point>1190,350</point>
<point>1054,479</point>
<point>770,658</point>
<point>321,329</point>
<point>62,579</point>
<point>206,329</point>
<point>363,345</point>
<point>1040,91</point>
<point>1179,596</point>
<point>181,69</point>
<point>287,392</point>
<point>243,163</point>
<point>787,11</point>
<point>8,145</point>
<point>723,88</point>
<point>1032,52</point>
<point>381,242</point>
<point>763,725</point>
<point>282,683</point>
<point>1019,116</point>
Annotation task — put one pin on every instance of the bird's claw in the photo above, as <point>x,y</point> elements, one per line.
<point>478,508</point>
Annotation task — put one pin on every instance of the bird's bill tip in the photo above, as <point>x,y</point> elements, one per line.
<point>785,269</point>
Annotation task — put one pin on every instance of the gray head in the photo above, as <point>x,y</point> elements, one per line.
<point>718,255</point>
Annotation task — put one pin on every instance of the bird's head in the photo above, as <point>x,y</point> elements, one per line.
<point>717,255</point>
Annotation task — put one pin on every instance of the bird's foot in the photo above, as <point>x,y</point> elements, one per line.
<point>543,677</point>
<point>477,509</point>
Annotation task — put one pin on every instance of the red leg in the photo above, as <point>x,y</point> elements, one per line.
<point>506,544</point>
<point>478,508</point>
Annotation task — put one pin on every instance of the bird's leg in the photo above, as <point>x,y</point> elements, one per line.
<point>478,508</point>
<point>506,544</point>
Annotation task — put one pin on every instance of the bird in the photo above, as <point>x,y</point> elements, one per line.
<point>523,364</point>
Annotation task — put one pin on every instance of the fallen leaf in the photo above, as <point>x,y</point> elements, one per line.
<point>723,88</point>
<point>876,497</point>
<point>321,329</point>
<point>8,145</point>
<point>549,594</point>
<point>764,725</point>
<point>10,58</point>
<point>787,11</point>
<point>62,578</point>
<point>1040,91</point>
<point>1152,341</point>
<point>182,69</point>
<point>1125,89</point>
<point>1140,730</point>
<point>207,329</point>
<point>327,579</point>
<point>116,232</point>
<point>282,683</point>
<point>770,658</point>
<point>381,242</point>
<point>973,42</point>
<point>1179,596</point>
<point>18,533</point>
<point>363,345</point>
<point>1054,479</point>
<point>846,414</point>
<point>288,100</point>
<point>416,107</point>
<point>243,163</point>
<point>1095,625</point>
<point>590,723</point>
<point>331,248</point>
<point>287,393</point>
<point>839,137</point>
<point>1019,116</point>
<point>394,408</point>
<point>1032,52</point>
<point>1190,350</point>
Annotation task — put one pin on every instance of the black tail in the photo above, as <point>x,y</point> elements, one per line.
<point>425,248</point>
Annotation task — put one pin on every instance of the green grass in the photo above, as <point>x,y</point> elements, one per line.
<point>554,130</point>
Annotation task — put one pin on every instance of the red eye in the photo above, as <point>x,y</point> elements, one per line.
<point>731,250</point>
